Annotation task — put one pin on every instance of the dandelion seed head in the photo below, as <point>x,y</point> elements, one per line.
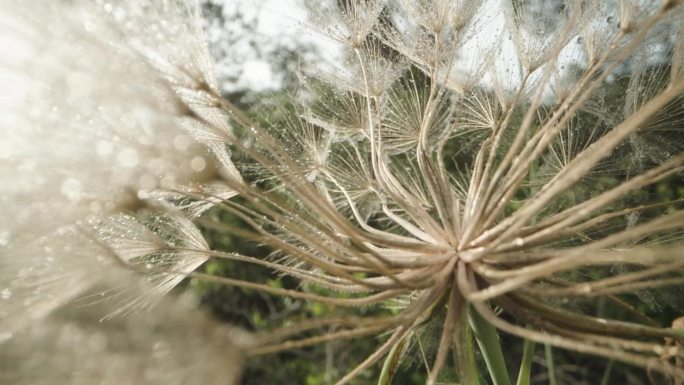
<point>443,169</point>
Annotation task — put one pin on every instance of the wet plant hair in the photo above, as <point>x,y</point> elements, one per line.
<point>473,158</point>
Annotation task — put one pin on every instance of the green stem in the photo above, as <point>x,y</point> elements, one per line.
<point>526,363</point>
<point>606,373</point>
<point>549,364</point>
<point>488,341</point>
<point>473,374</point>
<point>464,351</point>
<point>392,362</point>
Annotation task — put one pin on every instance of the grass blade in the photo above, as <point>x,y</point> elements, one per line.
<point>526,363</point>
<point>548,350</point>
<point>488,341</point>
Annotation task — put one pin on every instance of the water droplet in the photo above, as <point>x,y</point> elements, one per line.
<point>198,164</point>
<point>5,336</point>
<point>104,147</point>
<point>4,238</point>
<point>98,342</point>
<point>71,189</point>
<point>181,142</point>
<point>161,349</point>
<point>128,157</point>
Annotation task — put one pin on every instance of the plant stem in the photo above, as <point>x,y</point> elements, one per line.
<point>606,373</point>
<point>526,363</point>
<point>488,341</point>
<point>392,362</point>
<point>548,350</point>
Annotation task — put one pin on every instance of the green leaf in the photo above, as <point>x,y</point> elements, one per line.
<point>549,364</point>
<point>606,374</point>
<point>392,361</point>
<point>488,341</point>
<point>526,363</point>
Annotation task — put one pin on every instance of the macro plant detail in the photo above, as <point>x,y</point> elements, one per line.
<point>480,164</point>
